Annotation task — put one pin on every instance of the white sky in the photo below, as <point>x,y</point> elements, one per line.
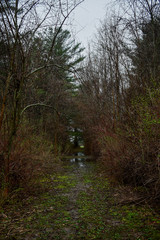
<point>87,17</point>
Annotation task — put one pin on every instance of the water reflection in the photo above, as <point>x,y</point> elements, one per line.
<point>81,164</point>
<point>78,159</point>
<point>73,160</point>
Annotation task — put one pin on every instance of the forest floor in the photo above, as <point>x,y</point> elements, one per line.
<point>77,201</point>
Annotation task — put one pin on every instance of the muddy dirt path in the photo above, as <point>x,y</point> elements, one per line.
<point>77,203</point>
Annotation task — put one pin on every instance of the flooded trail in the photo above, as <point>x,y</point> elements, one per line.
<point>77,202</point>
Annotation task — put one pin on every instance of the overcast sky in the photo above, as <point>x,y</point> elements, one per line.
<point>87,17</point>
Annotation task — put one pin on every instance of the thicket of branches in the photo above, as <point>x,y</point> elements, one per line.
<point>120,95</point>
<point>37,58</point>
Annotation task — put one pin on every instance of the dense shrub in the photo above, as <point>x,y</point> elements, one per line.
<point>131,152</point>
<point>28,159</point>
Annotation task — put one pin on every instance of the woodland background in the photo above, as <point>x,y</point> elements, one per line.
<point>48,86</point>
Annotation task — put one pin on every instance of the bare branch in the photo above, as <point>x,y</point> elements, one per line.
<point>39,104</point>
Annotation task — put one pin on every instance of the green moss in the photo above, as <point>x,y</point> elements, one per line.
<point>91,213</point>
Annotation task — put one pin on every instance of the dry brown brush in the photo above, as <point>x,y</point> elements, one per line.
<point>29,159</point>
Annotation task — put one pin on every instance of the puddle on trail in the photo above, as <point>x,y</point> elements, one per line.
<point>79,160</point>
